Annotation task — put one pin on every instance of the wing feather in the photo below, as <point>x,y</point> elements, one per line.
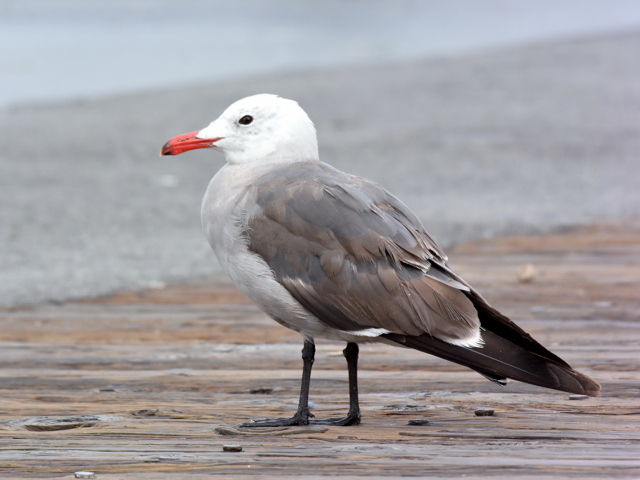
<point>355,256</point>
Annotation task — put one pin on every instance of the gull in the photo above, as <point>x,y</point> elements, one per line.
<point>336,256</point>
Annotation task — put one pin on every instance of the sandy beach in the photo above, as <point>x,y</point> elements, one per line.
<point>514,140</point>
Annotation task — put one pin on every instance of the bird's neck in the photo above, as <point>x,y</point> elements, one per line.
<point>270,161</point>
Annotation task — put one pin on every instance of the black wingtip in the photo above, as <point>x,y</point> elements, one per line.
<point>588,385</point>
<point>500,359</point>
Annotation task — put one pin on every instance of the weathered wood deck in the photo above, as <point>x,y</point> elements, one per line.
<point>135,385</point>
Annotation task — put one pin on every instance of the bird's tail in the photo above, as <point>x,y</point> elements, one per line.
<point>499,359</point>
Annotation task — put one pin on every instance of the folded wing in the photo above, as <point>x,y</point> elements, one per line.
<point>360,261</point>
<point>356,257</point>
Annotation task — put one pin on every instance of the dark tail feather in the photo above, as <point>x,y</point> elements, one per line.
<point>499,358</point>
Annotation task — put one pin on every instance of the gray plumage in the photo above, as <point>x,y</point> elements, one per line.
<point>354,255</point>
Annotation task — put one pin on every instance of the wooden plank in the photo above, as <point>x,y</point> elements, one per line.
<point>141,380</point>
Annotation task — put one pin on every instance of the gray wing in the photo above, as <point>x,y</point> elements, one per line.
<point>355,256</point>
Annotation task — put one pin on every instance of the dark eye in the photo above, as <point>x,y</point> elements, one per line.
<point>246,120</point>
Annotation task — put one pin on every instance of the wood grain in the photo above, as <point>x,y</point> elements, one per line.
<point>136,384</point>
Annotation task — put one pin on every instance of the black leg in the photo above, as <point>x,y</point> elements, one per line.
<point>351,354</point>
<point>308,357</point>
<point>353,416</point>
<point>302,416</point>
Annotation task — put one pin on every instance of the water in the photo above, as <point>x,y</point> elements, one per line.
<point>513,142</point>
<point>56,50</point>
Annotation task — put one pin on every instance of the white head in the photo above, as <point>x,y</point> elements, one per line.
<point>255,129</point>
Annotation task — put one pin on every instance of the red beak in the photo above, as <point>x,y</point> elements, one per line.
<point>188,141</point>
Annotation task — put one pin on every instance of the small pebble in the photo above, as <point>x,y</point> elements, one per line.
<point>261,390</point>
<point>232,448</point>
<point>346,437</point>
<point>85,475</point>
<point>145,412</point>
<point>418,422</point>
<point>528,273</point>
<point>484,412</point>
<point>578,397</point>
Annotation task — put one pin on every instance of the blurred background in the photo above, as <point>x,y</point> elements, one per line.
<point>487,117</point>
